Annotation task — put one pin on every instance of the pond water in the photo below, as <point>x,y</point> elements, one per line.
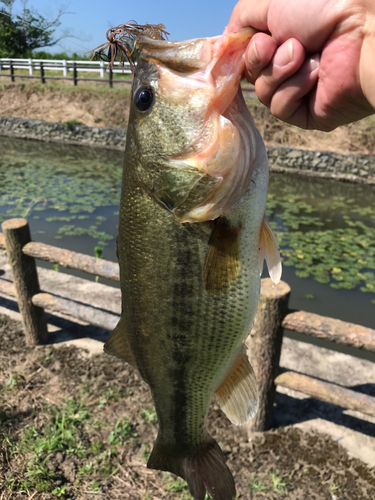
<point>326,229</point>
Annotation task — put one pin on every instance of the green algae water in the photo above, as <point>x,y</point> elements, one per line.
<point>326,229</point>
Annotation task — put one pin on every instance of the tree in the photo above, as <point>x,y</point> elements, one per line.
<point>22,33</point>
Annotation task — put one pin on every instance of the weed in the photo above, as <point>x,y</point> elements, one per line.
<point>278,485</point>
<point>174,484</point>
<point>86,469</point>
<point>98,424</point>
<point>95,486</point>
<point>38,477</point>
<point>106,469</point>
<point>145,451</point>
<point>98,251</point>
<point>86,388</point>
<point>59,491</point>
<point>113,394</point>
<point>47,358</point>
<point>256,484</point>
<point>333,488</point>
<point>96,447</point>
<point>149,416</point>
<point>178,485</point>
<point>122,432</point>
<point>14,382</point>
<point>60,433</point>
<point>73,122</point>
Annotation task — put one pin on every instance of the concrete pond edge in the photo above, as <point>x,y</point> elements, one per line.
<point>323,164</point>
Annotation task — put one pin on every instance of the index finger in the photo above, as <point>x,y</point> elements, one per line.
<point>249,13</point>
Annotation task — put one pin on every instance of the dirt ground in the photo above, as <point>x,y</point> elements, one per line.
<point>78,427</point>
<point>98,105</point>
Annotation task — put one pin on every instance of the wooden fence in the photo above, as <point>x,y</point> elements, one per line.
<point>264,341</point>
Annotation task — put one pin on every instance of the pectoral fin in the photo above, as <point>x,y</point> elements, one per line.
<point>238,394</point>
<point>118,344</point>
<point>222,263</point>
<point>270,251</point>
<point>173,184</point>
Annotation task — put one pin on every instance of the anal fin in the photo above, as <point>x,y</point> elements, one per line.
<point>238,394</point>
<point>118,344</point>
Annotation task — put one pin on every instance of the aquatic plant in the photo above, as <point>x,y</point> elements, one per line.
<point>326,229</point>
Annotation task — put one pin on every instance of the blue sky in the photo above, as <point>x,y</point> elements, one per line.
<point>90,19</point>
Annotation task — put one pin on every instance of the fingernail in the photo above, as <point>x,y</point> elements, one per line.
<point>284,55</point>
<point>314,63</point>
<point>253,55</point>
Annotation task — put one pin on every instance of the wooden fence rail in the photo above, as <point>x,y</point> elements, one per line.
<point>332,330</point>
<point>73,260</point>
<point>264,341</point>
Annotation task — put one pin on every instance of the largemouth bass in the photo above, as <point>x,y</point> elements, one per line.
<point>192,239</point>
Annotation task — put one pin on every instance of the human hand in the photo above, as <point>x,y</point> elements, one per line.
<point>313,62</point>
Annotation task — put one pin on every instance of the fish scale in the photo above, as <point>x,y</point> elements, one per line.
<point>178,300</point>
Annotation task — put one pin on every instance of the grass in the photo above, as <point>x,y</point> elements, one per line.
<point>14,382</point>
<point>273,482</point>
<point>278,484</point>
<point>122,432</point>
<point>177,485</point>
<point>256,485</point>
<point>94,90</point>
<point>149,416</point>
<point>63,432</point>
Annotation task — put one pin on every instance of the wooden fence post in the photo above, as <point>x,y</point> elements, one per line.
<point>74,73</point>
<point>11,71</point>
<point>110,77</point>
<point>42,79</point>
<point>25,278</point>
<point>264,347</point>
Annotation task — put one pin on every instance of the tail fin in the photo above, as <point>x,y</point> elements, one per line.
<point>204,469</point>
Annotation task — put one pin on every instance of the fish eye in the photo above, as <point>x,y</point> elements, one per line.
<point>143,98</point>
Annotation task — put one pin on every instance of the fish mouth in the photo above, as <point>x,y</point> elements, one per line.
<point>207,73</point>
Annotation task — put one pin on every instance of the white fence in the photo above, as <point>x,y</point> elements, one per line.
<point>68,67</point>
<point>65,66</point>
